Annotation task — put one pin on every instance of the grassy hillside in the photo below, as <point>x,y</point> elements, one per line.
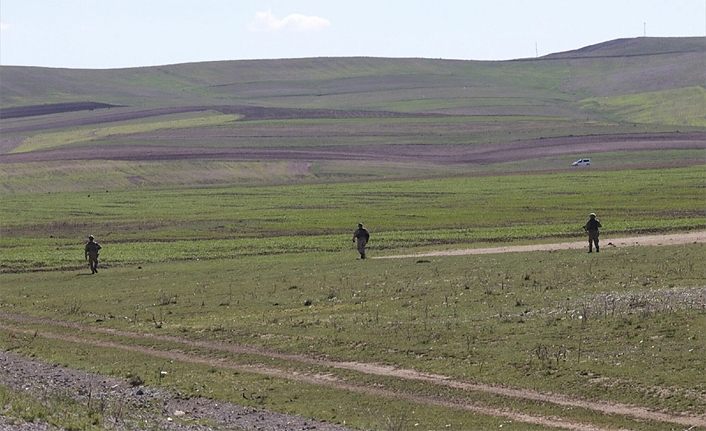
<point>552,84</point>
<point>641,46</point>
<point>681,106</point>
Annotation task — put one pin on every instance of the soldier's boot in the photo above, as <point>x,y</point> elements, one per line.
<point>362,255</point>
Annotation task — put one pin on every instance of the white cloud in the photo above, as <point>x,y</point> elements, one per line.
<point>267,21</point>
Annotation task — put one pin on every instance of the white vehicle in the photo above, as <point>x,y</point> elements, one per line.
<point>581,162</point>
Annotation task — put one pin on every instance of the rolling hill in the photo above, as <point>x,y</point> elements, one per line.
<point>422,115</point>
<point>615,68</point>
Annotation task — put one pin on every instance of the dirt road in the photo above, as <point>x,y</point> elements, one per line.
<point>85,334</point>
<point>606,243</point>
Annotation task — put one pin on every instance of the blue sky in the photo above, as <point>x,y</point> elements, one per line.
<point>127,33</point>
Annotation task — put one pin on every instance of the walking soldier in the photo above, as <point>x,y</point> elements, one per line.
<point>361,235</point>
<point>91,251</point>
<point>591,227</point>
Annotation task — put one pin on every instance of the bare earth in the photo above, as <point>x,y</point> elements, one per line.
<point>606,243</point>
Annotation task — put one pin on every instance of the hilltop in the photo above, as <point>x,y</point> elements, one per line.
<point>640,46</point>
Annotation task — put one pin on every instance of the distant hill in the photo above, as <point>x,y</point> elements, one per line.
<point>641,46</point>
<point>586,83</point>
<point>628,103</point>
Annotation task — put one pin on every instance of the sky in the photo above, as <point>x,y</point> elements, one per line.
<point>99,34</point>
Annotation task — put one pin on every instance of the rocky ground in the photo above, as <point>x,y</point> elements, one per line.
<point>125,406</point>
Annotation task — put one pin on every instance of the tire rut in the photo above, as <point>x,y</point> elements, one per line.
<point>553,422</point>
<point>364,368</point>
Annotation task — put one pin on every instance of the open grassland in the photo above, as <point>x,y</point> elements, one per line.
<point>225,195</point>
<point>564,322</point>
<point>49,140</point>
<point>45,230</point>
<point>552,85</point>
<point>253,295</point>
<point>63,176</point>
<point>682,107</point>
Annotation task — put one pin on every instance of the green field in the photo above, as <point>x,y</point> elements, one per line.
<point>272,267</point>
<point>225,194</point>
<point>51,140</point>
<point>160,225</point>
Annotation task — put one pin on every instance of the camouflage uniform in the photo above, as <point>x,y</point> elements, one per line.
<point>362,236</point>
<point>591,227</point>
<point>91,251</point>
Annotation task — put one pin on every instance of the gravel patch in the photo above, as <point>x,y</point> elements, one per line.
<point>128,407</point>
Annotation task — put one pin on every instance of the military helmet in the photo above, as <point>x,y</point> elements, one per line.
<point>360,224</point>
<point>90,236</point>
<point>592,215</point>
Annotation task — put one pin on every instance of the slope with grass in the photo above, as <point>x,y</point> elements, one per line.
<point>408,118</point>
<point>379,83</point>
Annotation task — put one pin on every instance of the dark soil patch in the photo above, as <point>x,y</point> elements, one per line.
<point>52,108</point>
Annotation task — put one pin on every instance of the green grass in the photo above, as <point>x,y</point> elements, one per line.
<point>273,266</point>
<point>260,254</point>
<point>384,83</point>
<point>680,107</point>
<point>116,175</point>
<point>516,319</point>
<point>220,383</point>
<point>49,140</point>
<point>46,230</point>
<point>57,410</point>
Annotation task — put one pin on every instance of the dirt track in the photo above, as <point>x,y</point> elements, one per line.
<point>84,336</point>
<point>606,243</point>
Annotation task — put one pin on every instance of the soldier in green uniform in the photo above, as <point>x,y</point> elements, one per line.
<point>591,227</point>
<point>361,235</point>
<point>91,251</point>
